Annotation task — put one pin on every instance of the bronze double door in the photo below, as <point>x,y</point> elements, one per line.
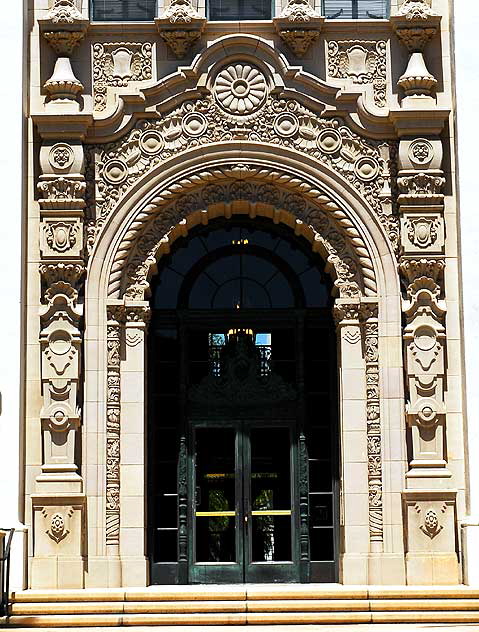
<point>243,506</point>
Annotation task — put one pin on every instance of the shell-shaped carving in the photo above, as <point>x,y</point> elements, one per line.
<point>240,88</point>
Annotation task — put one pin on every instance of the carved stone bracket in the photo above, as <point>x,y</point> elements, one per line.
<point>180,26</point>
<point>60,342</point>
<point>299,26</point>
<point>425,350</point>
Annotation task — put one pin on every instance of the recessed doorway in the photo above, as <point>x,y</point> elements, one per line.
<point>243,455</point>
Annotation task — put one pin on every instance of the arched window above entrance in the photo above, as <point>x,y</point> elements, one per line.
<point>231,265</point>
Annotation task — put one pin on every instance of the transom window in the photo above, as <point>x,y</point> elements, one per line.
<point>239,10</point>
<point>355,9</point>
<point>123,10</point>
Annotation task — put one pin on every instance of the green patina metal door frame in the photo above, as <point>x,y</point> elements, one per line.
<point>252,519</point>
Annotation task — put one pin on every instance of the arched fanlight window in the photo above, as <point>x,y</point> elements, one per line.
<point>123,10</point>
<point>238,267</point>
<point>356,9</point>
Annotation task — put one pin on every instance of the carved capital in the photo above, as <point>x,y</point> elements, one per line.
<point>70,273</point>
<point>346,313</point>
<point>421,187</point>
<point>61,193</point>
<point>180,41</point>
<point>64,42</point>
<point>299,40</point>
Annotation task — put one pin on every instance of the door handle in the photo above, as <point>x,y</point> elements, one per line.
<point>246,519</point>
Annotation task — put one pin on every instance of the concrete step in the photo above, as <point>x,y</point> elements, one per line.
<point>246,605</point>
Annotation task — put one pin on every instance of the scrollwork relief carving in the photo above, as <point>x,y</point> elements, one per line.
<point>116,65</point>
<point>362,62</point>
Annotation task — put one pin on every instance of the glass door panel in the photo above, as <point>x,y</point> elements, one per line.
<point>268,506</point>
<point>216,492</point>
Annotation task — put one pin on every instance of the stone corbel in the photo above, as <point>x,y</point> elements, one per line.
<point>299,26</point>
<point>63,28</point>
<point>180,26</point>
<point>415,25</point>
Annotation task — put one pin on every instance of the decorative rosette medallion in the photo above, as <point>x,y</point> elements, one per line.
<point>240,88</point>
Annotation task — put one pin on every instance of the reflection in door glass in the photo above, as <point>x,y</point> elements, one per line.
<point>270,495</point>
<point>215,495</point>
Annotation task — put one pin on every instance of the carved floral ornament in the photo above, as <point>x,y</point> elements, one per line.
<point>240,107</point>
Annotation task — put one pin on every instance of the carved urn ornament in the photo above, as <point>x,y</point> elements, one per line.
<point>63,28</point>
<point>415,23</point>
<point>299,26</point>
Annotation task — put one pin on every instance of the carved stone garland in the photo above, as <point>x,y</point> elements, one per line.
<point>264,118</point>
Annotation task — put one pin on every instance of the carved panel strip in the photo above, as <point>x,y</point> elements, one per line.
<point>373,413</point>
<point>113,408</point>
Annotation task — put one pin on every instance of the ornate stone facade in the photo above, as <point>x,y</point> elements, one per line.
<point>134,151</point>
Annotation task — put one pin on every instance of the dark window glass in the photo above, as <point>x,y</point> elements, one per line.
<point>355,9</point>
<point>123,10</point>
<point>239,10</point>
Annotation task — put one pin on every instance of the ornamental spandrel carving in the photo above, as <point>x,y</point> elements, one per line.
<point>117,64</point>
<point>361,62</point>
<point>224,116</point>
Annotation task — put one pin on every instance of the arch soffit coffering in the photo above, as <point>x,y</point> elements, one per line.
<point>310,200</point>
<point>192,82</point>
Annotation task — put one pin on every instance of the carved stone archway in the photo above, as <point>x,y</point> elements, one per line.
<point>121,282</point>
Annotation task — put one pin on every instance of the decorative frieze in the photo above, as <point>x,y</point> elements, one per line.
<point>260,116</point>
<point>360,62</point>
<point>117,64</point>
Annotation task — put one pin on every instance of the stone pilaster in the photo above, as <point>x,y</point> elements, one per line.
<point>429,500</point>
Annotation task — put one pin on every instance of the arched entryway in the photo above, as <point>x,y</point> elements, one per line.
<point>243,462</point>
